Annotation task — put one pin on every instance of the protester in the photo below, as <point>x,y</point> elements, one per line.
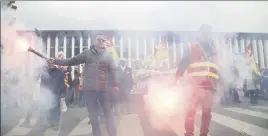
<point>52,90</point>
<point>252,87</point>
<point>98,62</point>
<point>200,57</point>
<point>125,80</point>
<point>70,89</point>
<point>77,87</point>
<point>233,85</point>
<point>113,95</point>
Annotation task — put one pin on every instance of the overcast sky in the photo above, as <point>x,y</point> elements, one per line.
<point>177,15</point>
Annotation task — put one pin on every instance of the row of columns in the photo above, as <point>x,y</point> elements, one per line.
<point>260,48</point>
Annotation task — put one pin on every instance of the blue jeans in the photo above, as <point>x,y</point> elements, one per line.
<point>104,98</point>
<point>81,98</point>
<point>54,115</point>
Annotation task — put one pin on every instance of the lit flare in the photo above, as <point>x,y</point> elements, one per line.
<point>23,44</point>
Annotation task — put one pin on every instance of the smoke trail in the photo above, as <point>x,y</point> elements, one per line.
<point>20,70</point>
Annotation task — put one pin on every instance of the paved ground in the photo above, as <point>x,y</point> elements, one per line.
<point>233,120</point>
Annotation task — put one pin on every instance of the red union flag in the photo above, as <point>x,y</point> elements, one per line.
<point>249,50</point>
<point>108,42</point>
<point>110,47</point>
<point>251,60</point>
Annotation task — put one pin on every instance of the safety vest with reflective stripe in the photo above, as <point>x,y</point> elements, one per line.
<point>203,70</point>
<point>66,80</point>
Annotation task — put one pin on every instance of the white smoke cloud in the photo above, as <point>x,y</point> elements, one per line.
<point>176,16</point>
<point>225,16</point>
<point>19,69</point>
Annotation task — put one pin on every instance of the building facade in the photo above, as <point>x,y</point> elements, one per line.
<point>136,45</point>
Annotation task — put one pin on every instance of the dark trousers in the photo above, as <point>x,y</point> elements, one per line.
<point>122,101</point>
<point>54,115</point>
<point>51,115</point>
<point>104,98</point>
<point>254,95</point>
<point>70,95</point>
<point>235,96</point>
<point>81,98</point>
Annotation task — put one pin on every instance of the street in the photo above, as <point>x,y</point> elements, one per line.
<point>233,120</point>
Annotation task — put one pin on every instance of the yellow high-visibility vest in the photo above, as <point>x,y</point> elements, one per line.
<point>210,69</point>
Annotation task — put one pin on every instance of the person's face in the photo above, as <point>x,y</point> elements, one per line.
<point>50,65</point>
<point>76,72</point>
<point>69,69</point>
<point>100,40</point>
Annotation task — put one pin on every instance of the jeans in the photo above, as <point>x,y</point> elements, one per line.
<point>81,98</point>
<point>104,98</point>
<point>51,116</point>
<point>70,95</point>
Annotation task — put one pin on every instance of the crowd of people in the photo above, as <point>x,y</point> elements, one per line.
<point>105,85</point>
<point>102,85</point>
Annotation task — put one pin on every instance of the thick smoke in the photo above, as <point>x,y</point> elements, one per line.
<point>20,69</point>
<point>173,16</point>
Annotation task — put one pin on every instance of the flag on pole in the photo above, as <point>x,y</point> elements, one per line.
<point>110,47</point>
<point>251,60</point>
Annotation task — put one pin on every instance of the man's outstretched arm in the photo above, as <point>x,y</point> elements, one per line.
<point>184,63</point>
<point>76,60</point>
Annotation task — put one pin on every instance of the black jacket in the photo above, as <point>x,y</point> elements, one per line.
<point>97,66</point>
<point>124,78</point>
<point>53,80</point>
